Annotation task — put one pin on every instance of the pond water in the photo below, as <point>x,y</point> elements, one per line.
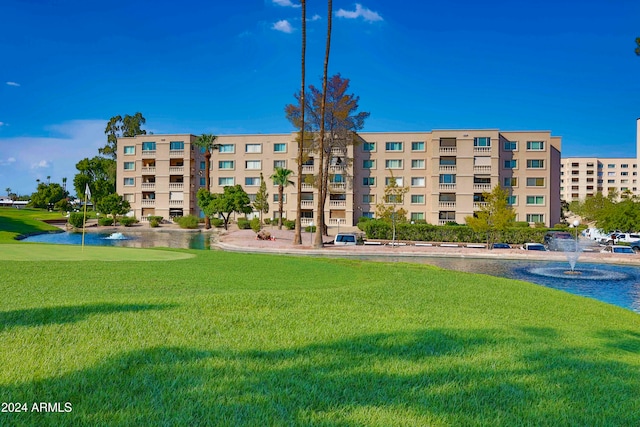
<point>173,239</point>
<point>613,284</point>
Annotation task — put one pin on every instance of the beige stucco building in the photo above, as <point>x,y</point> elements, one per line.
<point>446,172</point>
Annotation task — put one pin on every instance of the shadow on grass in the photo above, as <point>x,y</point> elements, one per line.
<point>25,227</point>
<point>430,377</point>
<point>66,314</point>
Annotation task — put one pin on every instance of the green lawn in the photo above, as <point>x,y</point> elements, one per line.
<point>15,222</point>
<point>250,339</point>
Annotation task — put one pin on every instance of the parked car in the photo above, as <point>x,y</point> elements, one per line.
<point>635,246</point>
<point>345,239</point>
<point>594,234</point>
<point>501,246</point>
<point>533,247</point>
<point>559,241</point>
<point>622,237</point>
<point>618,249</point>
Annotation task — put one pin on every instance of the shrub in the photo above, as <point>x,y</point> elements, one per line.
<point>362,221</point>
<point>128,221</point>
<point>255,224</point>
<point>289,224</point>
<point>76,219</point>
<point>63,205</point>
<point>189,221</point>
<point>105,221</point>
<point>243,224</point>
<point>154,221</point>
<point>310,229</point>
<point>267,221</point>
<point>217,222</point>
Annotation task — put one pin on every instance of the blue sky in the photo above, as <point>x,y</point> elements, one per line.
<point>229,67</point>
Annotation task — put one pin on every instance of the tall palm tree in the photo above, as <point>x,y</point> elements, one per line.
<point>64,184</point>
<point>281,179</point>
<point>297,237</point>
<point>207,142</point>
<point>317,243</point>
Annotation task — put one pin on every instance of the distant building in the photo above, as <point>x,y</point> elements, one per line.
<point>446,172</point>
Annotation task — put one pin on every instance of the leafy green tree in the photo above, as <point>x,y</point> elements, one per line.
<point>114,205</point>
<point>624,216</point>
<point>494,217</point>
<point>99,173</point>
<point>233,199</point>
<point>118,126</point>
<point>47,194</point>
<point>638,46</point>
<point>206,141</point>
<point>393,196</point>
<point>261,204</point>
<point>281,179</point>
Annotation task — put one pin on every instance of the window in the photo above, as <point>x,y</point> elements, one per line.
<point>611,166</point>
<point>129,197</point>
<point>535,182</point>
<point>276,198</point>
<point>176,145</point>
<point>535,200</point>
<point>417,216</point>
<point>252,181</point>
<point>393,164</point>
<point>368,180</point>
<point>202,182</point>
<point>368,164</point>
<point>253,148</point>
<point>129,166</point>
<point>510,182</point>
<point>280,148</point>
<point>417,164</point>
<point>417,146</point>
<point>417,199</point>
<point>510,146</point>
<point>227,148</point>
<point>611,174</point>
<point>203,165</point>
<point>624,166</point>
<point>280,164</point>
<point>535,145</point>
<point>368,198</point>
<point>447,216</point>
<point>129,181</point>
<point>624,173</point>
<point>535,217</point>
<point>369,146</point>
<point>483,141</point>
<point>611,181</point>
<point>367,215</point>
<point>512,200</point>
<point>447,178</point>
<point>447,197</point>
<point>535,164</point>
<point>225,181</point>
<point>129,150</point>
<point>575,179</point>
<point>447,161</point>
<point>510,164</point>
<point>575,165</point>
<point>226,164</point>
<point>393,146</point>
<point>482,179</point>
<point>417,181</point>
<point>572,172</point>
<point>252,164</point>
<point>148,146</point>
<point>399,181</point>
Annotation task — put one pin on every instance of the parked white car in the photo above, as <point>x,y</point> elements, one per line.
<point>622,238</point>
<point>615,249</point>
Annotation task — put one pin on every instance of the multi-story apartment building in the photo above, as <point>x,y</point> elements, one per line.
<point>583,177</point>
<point>446,172</point>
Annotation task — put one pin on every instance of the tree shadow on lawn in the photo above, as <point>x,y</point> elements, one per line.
<point>434,377</point>
<point>66,314</point>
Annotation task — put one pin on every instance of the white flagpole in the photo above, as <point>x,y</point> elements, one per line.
<point>84,219</point>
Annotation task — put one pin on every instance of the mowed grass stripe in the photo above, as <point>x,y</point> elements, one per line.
<point>48,252</point>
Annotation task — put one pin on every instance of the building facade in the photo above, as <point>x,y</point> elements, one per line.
<point>583,177</point>
<point>446,172</point>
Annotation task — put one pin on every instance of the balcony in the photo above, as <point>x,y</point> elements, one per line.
<point>479,205</point>
<point>482,168</point>
<point>176,202</point>
<point>176,153</point>
<point>148,169</point>
<point>148,153</point>
<point>481,149</point>
<point>447,204</point>
<point>447,186</point>
<point>176,169</point>
<point>306,221</point>
<point>340,186</point>
<point>482,187</point>
<point>337,221</point>
<point>307,187</point>
<point>448,149</point>
<point>338,151</point>
<point>447,168</point>
<point>337,203</point>
<point>444,221</point>
<point>148,202</point>
<point>306,203</point>
<point>176,186</point>
<point>148,185</point>
<point>307,168</point>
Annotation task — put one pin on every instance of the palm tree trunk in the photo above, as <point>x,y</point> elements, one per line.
<point>280,203</point>
<point>317,243</point>
<point>207,179</point>
<point>297,237</point>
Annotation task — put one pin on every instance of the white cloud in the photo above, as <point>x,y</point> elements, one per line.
<point>283,26</point>
<point>1,124</point>
<point>13,84</point>
<point>285,3</point>
<point>315,17</point>
<point>360,12</point>
<point>30,158</point>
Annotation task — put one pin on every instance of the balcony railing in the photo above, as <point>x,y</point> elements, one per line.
<point>448,149</point>
<point>307,168</point>
<point>447,186</point>
<point>479,205</point>
<point>148,153</point>
<point>337,203</point>
<point>148,169</point>
<point>176,169</point>
<point>148,185</point>
<point>337,221</point>
<point>444,221</point>
<point>336,169</point>
<point>446,204</point>
<point>176,202</point>
<point>148,202</point>
<point>306,203</point>
<point>447,168</point>
<point>306,221</point>
<point>337,186</point>
<point>482,187</point>
<point>176,186</point>
<point>481,149</point>
<point>176,153</point>
<point>338,151</point>
<point>307,187</point>
<point>482,168</point>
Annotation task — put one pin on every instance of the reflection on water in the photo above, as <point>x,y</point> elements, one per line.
<point>613,284</point>
<point>180,239</point>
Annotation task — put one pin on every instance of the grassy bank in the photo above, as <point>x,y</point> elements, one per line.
<point>246,339</point>
<point>15,222</point>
